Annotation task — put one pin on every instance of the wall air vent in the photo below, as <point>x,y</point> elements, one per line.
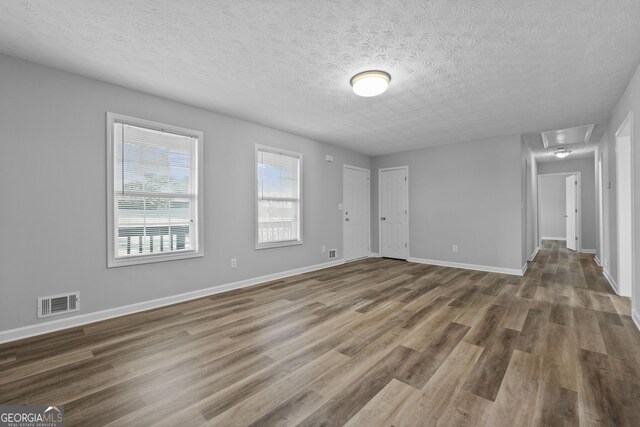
<point>58,304</point>
<point>576,135</point>
<point>332,253</point>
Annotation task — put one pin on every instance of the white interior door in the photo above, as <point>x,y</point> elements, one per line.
<point>356,212</point>
<point>570,212</point>
<point>623,184</point>
<point>393,213</point>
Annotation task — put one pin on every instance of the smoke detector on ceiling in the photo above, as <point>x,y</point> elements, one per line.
<point>575,135</point>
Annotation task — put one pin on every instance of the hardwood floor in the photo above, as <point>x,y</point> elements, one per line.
<point>374,342</point>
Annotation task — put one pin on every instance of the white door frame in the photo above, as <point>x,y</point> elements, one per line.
<point>571,212</point>
<point>600,183</point>
<point>344,223</point>
<point>627,121</point>
<point>406,190</point>
<point>579,206</point>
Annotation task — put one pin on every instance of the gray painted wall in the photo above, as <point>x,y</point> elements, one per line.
<point>588,193</point>
<point>466,194</point>
<point>552,195</point>
<point>629,102</point>
<point>52,179</point>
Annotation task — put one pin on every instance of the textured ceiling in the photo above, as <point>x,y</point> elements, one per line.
<point>461,69</point>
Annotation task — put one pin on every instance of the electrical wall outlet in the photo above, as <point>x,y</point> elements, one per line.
<point>234,262</point>
<point>324,249</point>
<point>455,248</point>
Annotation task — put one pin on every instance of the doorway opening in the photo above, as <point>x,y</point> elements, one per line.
<point>624,201</point>
<point>393,208</point>
<point>559,208</point>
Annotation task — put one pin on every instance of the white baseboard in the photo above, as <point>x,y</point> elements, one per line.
<point>83,319</point>
<point>374,255</point>
<point>533,256</point>
<point>597,261</point>
<point>491,269</point>
<point>588,251</point>
<point>636,318</point>
<point>524,269</point>
<point>613,283</point>
<point>564,239</point>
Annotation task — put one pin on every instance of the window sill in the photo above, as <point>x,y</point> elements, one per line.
<point>149,259</point>
<point>278,244</point>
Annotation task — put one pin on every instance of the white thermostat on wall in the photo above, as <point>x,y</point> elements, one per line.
<point>328,158</point>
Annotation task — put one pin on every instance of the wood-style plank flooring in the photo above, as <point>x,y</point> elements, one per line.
<point>377,342</point>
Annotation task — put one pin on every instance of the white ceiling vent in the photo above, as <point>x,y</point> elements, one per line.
<point>576,135</point>
<point>58,304</point>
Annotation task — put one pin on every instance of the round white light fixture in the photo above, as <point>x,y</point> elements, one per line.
<point>370,83</point>
<point>562,153</point>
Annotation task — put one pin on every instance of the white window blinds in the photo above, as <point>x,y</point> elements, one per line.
<point>155,189</point>
<point>278,198</point>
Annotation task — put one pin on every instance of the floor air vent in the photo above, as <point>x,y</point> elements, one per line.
<point>58,304</point>
<point>332,253</point>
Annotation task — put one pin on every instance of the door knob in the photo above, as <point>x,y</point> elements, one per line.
<point>383,218</point>
<point>346,219</point>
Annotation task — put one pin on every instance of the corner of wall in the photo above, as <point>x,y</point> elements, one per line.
<point>636,318</point>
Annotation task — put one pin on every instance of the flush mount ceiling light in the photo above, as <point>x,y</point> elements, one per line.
<point>562,153</point>
<point>370,83</point>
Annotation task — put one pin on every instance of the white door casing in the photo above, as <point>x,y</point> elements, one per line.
<point>577,203</point>
<point>570,213</point>
<point>600,210</point>
<point>356,212</point>
<point>624,198</point>
<point>393,210</point>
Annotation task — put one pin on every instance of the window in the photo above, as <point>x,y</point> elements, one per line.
<point>154,191</point>
<point>278,199</point>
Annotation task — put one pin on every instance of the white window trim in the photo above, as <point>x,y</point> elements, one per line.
<point>297,155</point>
<point>112,260</point>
